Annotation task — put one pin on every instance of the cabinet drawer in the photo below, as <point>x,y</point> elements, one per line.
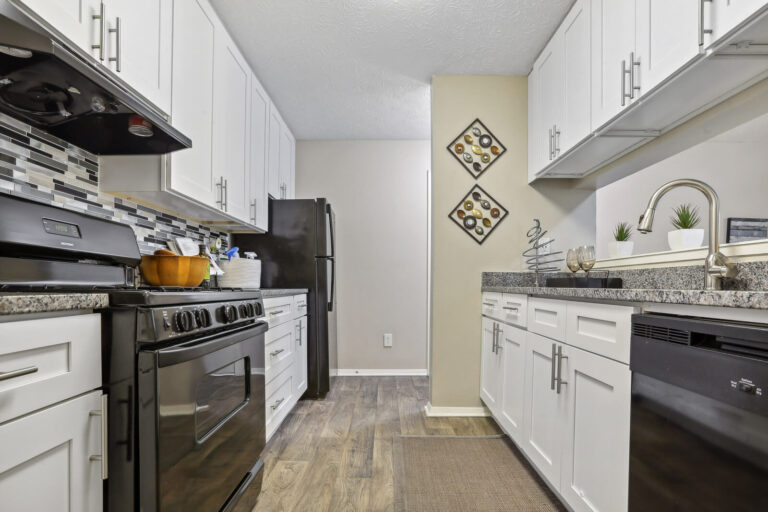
<point>299,306</point>
<point>278,350</point>
<point>492,304</point>
<point>514,309</point>
<point>600,328</point>
<point>278,310</point>
<point>278,401</point>
<point>55,359</point>
<point>547,317</point>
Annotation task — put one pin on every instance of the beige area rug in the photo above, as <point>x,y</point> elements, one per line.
<point>462,474</point>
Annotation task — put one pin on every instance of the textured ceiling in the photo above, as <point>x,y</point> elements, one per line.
<point>346,69</point>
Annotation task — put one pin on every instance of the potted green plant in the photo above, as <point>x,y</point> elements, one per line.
<point>621,246</point>
<point>686,236</point>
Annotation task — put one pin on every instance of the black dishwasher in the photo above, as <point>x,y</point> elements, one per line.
<point>699,428</point>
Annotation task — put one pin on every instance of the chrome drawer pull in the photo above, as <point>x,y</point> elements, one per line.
<point>275,313</point>
<point>552,377</point>
<point>104,437</point>
<point>18,373</point>
<point>275,352</point>
<point>509,308</point>
<point>276,404</point>
<point>489,304</point>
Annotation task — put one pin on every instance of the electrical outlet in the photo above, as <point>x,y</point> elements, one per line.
<point>388,340</point>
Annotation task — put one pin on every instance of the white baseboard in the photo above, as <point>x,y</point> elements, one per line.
<point>374,372</point>
<point>437,412</point>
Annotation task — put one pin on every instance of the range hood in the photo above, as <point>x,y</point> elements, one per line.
<point>47,85</point>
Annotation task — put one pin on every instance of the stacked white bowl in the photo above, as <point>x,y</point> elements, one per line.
<point>240,273</point>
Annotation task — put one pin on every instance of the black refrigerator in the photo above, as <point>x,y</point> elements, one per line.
<point>299,252</point>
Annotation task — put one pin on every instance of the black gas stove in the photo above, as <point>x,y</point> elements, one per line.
<point>183,368</point>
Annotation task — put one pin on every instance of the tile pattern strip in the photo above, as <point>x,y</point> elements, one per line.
<point>39,166</point>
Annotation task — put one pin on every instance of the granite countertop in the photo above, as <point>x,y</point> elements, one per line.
<point>722,298</point>
<point>18,303</point>
<point>282,292</point>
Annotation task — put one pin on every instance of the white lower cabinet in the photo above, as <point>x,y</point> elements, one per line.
<point>491,361</point>
<point>513,351</point>
<point>544,410</point>
<point>286,370</point>
<point>52,459</point>
<point>567,408</point>
<point>595,432</point>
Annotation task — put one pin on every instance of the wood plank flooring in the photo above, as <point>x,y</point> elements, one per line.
<point>336,454</point>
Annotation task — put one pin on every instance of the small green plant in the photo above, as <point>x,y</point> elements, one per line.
<point>623,232</point>
<point>686,217</point>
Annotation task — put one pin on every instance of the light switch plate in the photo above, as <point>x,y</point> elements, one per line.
<point>388,340</point>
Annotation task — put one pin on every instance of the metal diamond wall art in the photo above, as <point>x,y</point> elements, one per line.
<point>476,148</point>
<point>478,214</point>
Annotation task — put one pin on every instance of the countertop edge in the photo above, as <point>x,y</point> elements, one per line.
<point>726,298</point>
<point>22,303</point>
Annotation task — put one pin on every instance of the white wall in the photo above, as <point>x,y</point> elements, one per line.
<point>378,190</point>
<point>736,170</point>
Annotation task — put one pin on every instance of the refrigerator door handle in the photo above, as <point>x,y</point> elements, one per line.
<point>333,283</point>
<point>329,213</point>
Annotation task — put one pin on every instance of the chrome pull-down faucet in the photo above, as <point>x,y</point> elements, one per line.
<point>717,266</point>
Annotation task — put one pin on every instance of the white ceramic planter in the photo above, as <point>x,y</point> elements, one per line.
<point>682,239</point>
<point>620,249</point>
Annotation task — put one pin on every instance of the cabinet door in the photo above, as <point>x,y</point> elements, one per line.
<point>596,443</point>
<point>259,210</point>
<point>667,39</point>
<point>287,147</point>
<point>231,122</point>
<point>549,67</point>
<point>273,152</point>
<point>575,86</point>
<point>728,14</point>
<point>301,356</point>
<point>490,367</point>
<point>46,462</point>
<point>73,19</point>
<point>513,378</point>
<point>544,409</point>
<point>194,26</point>
<point>142,46</point>
<point>613,39</point>
<point>538,157</point>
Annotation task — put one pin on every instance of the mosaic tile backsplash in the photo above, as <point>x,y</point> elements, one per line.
<point>36,165</point>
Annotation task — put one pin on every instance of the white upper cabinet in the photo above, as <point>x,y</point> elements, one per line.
<point>139,46</point>
<point>258,147</point>
<point>287,162</point>
<point>194,28</point>
<point>667,38</point>
<point>613,46</point>
<point>273,152</point>
<point>725,15</point>
<point>574,125</point>
<point>549,67</point>
<point>77,20</point>
<point>231,125</point>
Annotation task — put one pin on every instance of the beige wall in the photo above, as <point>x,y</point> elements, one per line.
<point>569,215</point>
<point>378,190</point>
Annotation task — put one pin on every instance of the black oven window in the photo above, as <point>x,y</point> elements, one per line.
<point>219,394</point>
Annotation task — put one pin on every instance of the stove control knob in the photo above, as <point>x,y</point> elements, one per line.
<point>251,311</point>
<point>243,311</point>
<point>204,318</point>
<point>184,321</point>
<point>258,309</point>
<point>228,314</point>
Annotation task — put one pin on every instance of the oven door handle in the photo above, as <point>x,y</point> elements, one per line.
<point>200,347</point>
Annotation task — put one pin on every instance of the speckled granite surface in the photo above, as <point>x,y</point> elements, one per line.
<point>281,292</point>
<point>18,303</point>
<point>752,276</point>
<point>727,298</point>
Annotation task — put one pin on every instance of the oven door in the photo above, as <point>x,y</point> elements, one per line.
<point>201,421</point>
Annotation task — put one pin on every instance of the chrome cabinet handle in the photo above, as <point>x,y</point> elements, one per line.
<point>633,63</point>
<point>104,437</point>
<point>557,141</point>
<point>220,186</point>
<point>510,308</point>
<point>226,195</point>
<point>100,17</point>
<point>297,329</point>
<point>624,72</point>
<point>551,144</point>
<point>493,341</point>
<point>560,358</point>
<point>552,372</point>
<point>275,352</point>
<point>17,373</point>
<point>275,313</point>
<point>499,334</point>
<point>253,209</point>
<point>489,304</point>
<point>117,59</point>
<point>277,404</point>
<point>702,30</point>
